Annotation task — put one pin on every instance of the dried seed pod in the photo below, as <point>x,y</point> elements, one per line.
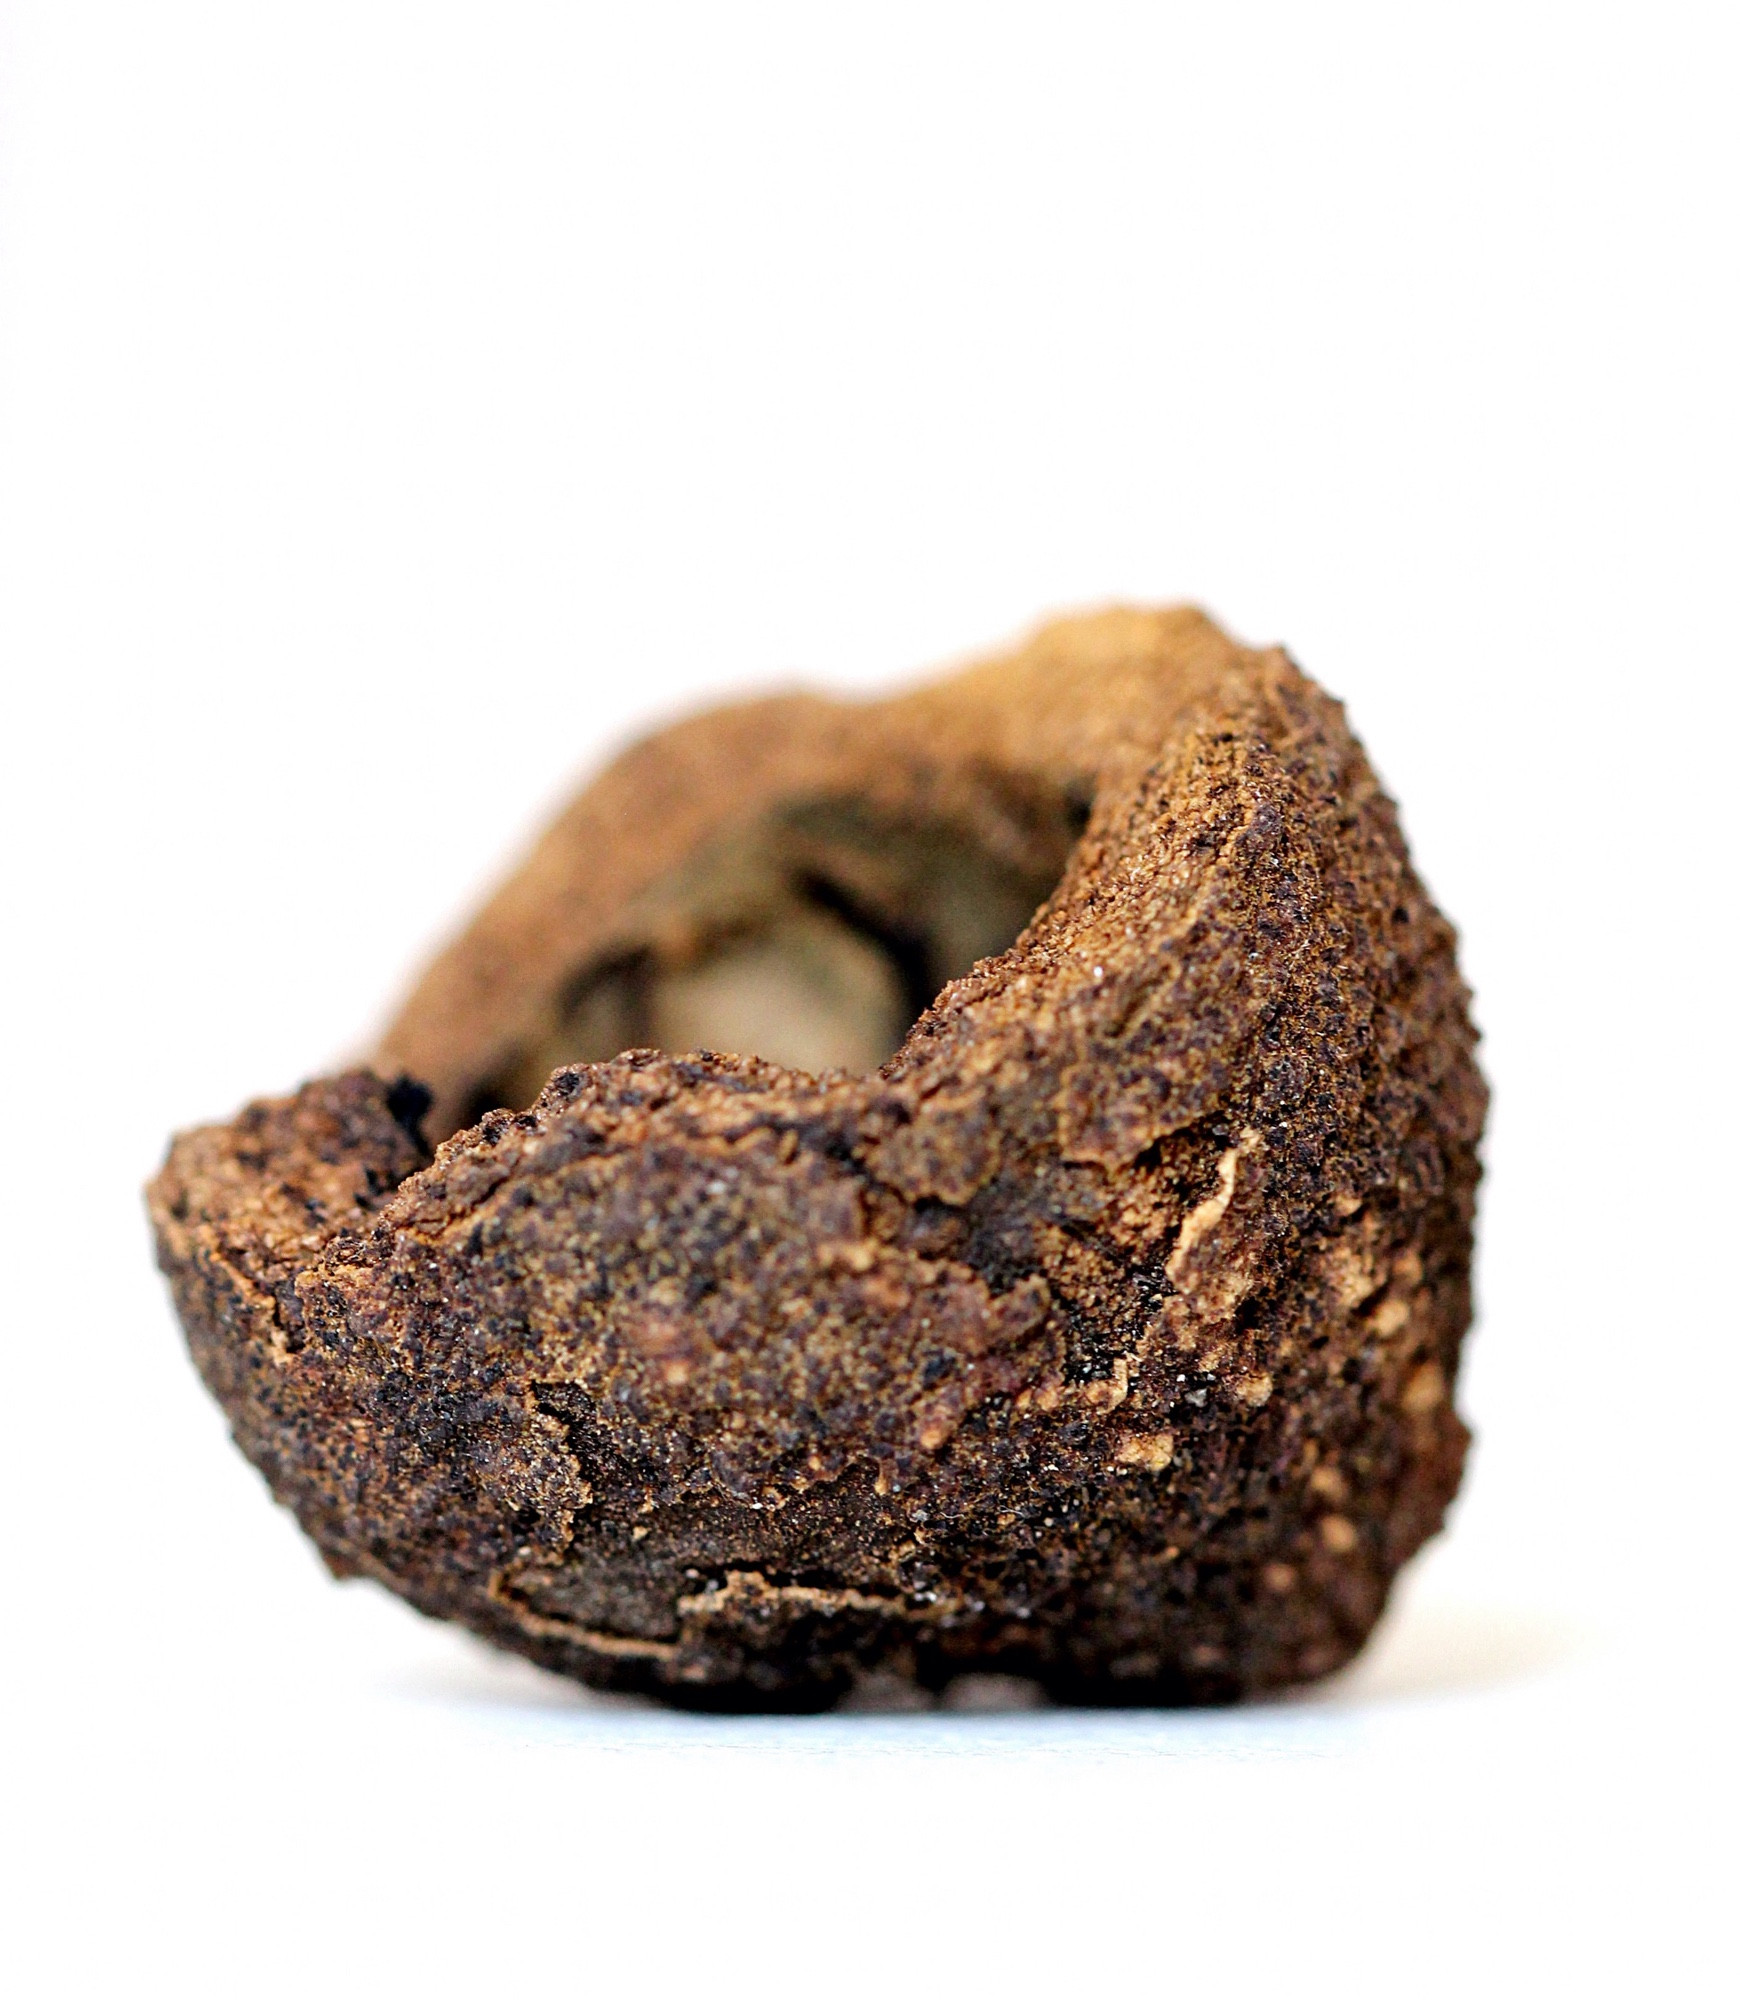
<point>1094,1317</point>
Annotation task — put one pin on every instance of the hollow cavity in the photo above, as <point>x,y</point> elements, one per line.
<point>814,939</point>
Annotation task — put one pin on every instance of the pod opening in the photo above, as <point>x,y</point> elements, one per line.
<point>814,940</point>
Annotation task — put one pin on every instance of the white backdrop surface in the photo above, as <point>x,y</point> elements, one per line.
<point>400,406</point>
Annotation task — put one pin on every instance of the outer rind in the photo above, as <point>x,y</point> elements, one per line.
<point>1108,1335</point>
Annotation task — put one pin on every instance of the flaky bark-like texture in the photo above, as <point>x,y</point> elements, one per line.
<point>1105,1333</point>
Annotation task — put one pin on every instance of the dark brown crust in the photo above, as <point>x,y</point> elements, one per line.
<point>1107,1335</point>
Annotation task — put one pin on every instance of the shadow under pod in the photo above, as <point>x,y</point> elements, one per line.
<point>1424,1650</point>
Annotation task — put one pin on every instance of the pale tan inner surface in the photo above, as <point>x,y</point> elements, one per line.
<point>810,994</point>
<point>813,940</point>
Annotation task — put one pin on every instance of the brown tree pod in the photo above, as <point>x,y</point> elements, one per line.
<point>1063,1273</point>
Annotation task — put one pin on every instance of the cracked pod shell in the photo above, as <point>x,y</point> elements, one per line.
<point>1106,1332</point>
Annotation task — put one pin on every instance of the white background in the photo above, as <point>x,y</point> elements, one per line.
<point>403,403</point>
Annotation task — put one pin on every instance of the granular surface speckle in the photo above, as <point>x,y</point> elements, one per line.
<point>977,1182</point>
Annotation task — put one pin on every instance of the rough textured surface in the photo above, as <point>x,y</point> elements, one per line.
<point>1106,1334</point>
